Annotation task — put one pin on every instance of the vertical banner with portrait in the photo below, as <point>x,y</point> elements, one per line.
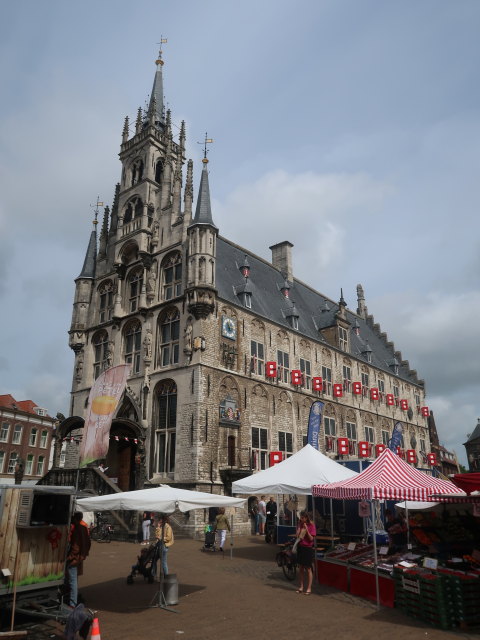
<point>102,403</point>
<point>314,420</point>
<point>396,439</point>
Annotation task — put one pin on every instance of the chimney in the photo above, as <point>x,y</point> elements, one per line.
<point>282,258</point>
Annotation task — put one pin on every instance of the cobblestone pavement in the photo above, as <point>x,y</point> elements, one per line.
<point>230,598</point>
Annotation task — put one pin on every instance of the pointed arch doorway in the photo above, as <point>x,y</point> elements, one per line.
<point>125,455</point>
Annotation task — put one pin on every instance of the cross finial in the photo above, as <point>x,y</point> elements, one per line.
<point>205,150</point>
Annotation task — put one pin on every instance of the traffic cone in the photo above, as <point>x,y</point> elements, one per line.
<point>95,630</point>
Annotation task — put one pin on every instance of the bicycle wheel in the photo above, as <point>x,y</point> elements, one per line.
<point>290,570</point>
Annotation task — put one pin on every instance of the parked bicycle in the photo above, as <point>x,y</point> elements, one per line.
<point>288,561</point>
<point>102,531</point>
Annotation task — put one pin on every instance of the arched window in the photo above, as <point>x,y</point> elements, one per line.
<point>134,209</point>
<point>172,276</point>
<point>100,346</point>
<point>135,282</point>
<point>169,334</point>
<point>132,345</point>
<point>165,418</point>
<point>137,171</point>
<point>105,292</point>
<point>158,171</point>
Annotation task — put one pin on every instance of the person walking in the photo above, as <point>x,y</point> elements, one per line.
<point>147,520</point>
<point>164,533</point>
<point>78,550</point>
<point>262,515</point>
<point>221,527</point>
<point>306,532</point>
<point>254,515</point>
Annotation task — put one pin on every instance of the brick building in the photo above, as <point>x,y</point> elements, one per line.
<point>228,351</point>
<point>26,432</point>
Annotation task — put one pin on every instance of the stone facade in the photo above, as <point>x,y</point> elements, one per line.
<point>198,318</point>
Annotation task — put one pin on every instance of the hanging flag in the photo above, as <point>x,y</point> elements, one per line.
<point>314,421</point>
<point>396,439</point>
<point>102,403</point>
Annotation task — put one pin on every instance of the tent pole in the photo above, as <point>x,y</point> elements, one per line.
<point>408,525</point>
<point>331,518</point>
<point>314,540</point>
<point>231,536</point>
<point>375,556</point>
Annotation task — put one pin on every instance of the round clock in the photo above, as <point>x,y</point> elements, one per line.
<point>229,328</point>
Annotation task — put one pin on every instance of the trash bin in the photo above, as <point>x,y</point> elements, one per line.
<point>170,589</point>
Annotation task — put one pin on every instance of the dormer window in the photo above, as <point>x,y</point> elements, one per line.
<point>245,268</point>
<point>292,316</point>
<point>394,366</point>
<point>285,289</point>
<point>343,338</point>
<point>247,300</point>
<point>367,353</point>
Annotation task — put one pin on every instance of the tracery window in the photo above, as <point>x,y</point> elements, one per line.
<point>132,345</point>
<point>135,282</point>
<point>133,210</point>
<point>165,424</point>
<point>100,348</point>
<point>105,292</point>
<point>172,276</point>
<point>169,335</point>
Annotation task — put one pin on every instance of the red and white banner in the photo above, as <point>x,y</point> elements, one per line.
<point>102,403</point>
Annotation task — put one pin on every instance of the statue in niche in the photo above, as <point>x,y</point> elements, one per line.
<point>188,338</point>
<point>147,346</point>
<point>79,368</point>
<point>151,282</point>
<point>155,232</point>
<point>109,354</point>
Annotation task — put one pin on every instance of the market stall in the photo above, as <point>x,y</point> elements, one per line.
<point>295,475</point>
<point>387,478</point>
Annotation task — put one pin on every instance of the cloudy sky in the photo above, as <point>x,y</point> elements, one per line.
<point>349,127</point>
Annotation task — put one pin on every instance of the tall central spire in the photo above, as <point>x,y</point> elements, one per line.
<point>156,97</point>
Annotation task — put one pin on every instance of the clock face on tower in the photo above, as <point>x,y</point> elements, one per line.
<point>229,328</point>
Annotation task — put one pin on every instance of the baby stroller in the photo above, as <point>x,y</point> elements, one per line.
<point>146,563</point>
<point>209,543</point>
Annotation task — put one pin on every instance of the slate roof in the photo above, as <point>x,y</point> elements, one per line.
<point>89,264</point>
<point>203,211</point>
<point>157,94</point>
<point>267,301</point>
<point>476,433</point>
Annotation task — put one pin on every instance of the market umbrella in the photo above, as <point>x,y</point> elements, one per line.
<point>388,478</point>
<point>164,499</point>
<point>469,482</point>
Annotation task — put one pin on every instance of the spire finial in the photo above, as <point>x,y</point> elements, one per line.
<point>159,59</point>
<point>205,150</point>
<point>96,210</point>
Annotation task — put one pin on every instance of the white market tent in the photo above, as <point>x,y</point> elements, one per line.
<point>295,475</point>
<point>164,499</point>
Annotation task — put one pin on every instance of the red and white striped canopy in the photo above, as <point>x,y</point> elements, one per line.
<point>388,478</point>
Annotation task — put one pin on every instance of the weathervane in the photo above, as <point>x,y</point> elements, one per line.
<point>162,41</point>
<point>205,150</point>
<point>96,205</point>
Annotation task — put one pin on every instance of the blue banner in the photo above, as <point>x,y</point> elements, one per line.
<point>314,420</point>
<point>396,439</point>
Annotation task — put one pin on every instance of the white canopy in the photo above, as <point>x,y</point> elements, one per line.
<point>164,499</point>
<point>414,505</point>
<point>296,474</point>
